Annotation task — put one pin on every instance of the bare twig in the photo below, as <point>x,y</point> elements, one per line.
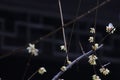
<point>63,30</point>
<point>32,75</point>
<point>26,67</point>
<point>81,48</point>
<point>74,62</point>
<point>106,64</point>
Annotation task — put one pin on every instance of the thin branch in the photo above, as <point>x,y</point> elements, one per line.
<point>81,48</point>
<point>63,30</point>
<point>61,14</point>
<point>74,62</point>
<point>106,64</point>
<point>32,75</point>
<point>26,67</point>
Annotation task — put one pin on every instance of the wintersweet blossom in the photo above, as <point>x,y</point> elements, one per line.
<point>91,39</point>
<point>110,28</point>
<point>92,30</point>
<point>92,62</point>
<point>31,49</point>
<point>62,47</point>
<point>42,70</point>
<point>104,71</point>
<point>95,77</point>
<point>95,46</point>
<point>92,59</point>
<point>63,68</point>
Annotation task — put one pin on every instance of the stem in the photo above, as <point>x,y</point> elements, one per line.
<point>63,30</point>
<point>74,62</point>
<point>26,67</point>
<point>81,48</point>
<point>32,75</point>
<point>106,64</point>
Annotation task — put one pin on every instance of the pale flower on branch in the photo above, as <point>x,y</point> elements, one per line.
<point>95,77</point>
<point>91,39</point>
<point>42,70</point>
<point>92,62</point>
<point>110,28</point>
<point>62,47</point>
<point>92,30</point>
<point>104,71</point>
<point>95,46</point>
<point>63,68</point>
<point>92,59</point>
<point>31,49</point>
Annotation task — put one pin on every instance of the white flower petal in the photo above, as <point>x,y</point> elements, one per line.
<point>31,49</point>
<point>110,28</point>
<point>63,68</point>
<point>42,70</point>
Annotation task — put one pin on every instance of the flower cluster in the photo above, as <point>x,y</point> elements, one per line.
<point>110,28</point>
<point>42,70</point>
<point>91,39</point>
<point>31,49</point>
<point>92,59</point>
<point>95,77</point>
<point>104,71</point>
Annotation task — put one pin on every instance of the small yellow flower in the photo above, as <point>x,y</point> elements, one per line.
<point>92,30</point>
<point>91,39</point>
<point>42,70</point>
<point>62,47</point>
<point>92,62</point>
<point>63,68</point>
<point>104,71</point>
<point>95,46</point>
<point>95,77</point>
<point>110,28</point>
<point>92,59</point>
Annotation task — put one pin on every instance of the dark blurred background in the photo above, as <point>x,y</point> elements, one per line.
<point>24,21</point>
